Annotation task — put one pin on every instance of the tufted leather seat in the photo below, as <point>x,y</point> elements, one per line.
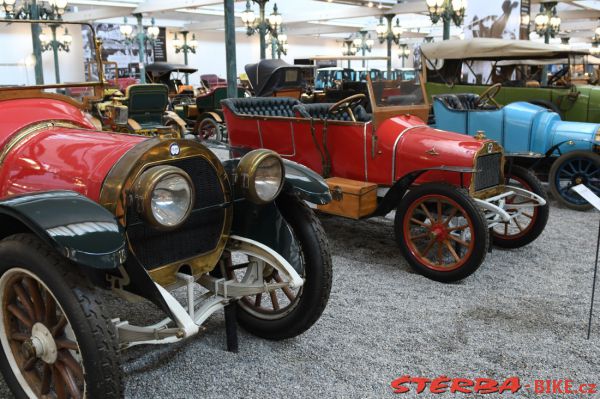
<point>451,101</point>
<point>468,100</point>
<point>320,111</point>
<point>262,106</point>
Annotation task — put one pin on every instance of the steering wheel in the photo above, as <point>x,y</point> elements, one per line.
<point>556,77</point>
<point>347,104</point>
<point>488,95</point>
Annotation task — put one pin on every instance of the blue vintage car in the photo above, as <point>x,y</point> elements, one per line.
<point>564,153</point>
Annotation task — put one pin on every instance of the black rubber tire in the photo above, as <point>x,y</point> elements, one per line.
<point>480,231</point>
<point>93,329</point>
<point>552,177</point>
<point>318,270</point>
<point>549,105</point>
<point>533,184</point>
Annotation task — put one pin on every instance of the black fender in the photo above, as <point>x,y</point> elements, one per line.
<point>265,224</point>
<point>302,181</point>
<point>557,146</point>
<point>397,191</point>
<point>299,180</point>
<point>75,226</point>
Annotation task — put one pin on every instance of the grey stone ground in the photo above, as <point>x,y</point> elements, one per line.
<point>524,313</point>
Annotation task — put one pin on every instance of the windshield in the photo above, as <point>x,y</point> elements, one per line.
<point>51,55</point>
<point>394,93</point>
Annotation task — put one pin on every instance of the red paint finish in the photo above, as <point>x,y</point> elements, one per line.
<point>63,159</point>
<point>350,146</point>
<point>19,113</point>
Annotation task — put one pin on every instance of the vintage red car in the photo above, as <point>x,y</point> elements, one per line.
<point>83,210</point>
<point>448,189</point>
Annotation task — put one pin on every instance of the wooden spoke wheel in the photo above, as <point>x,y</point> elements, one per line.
<point>209,129</point>
<point>441,232</point>
<point>529,219</point>
<point>56,340</point>
<point>268,306</point>
<point>44,349</point>
<point>283,312</point>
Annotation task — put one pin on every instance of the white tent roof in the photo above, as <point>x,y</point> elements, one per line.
<point>490,49</point>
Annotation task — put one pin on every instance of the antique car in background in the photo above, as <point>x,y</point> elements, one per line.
<point>172,76</point>
<point>143,110</point>
<point>448,189</point>
<point>562,152</point>
<point>276,78</point>
<point>212,81</point>
<point>84,211</point>
<point>209,122</point>
<point>450,67</point>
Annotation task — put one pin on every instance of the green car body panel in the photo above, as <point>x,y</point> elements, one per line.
<point>77,227</point>
<point>576,103</point>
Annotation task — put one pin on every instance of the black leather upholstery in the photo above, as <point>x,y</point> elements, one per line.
<point>262,106</point>
<point>320,111</point>
<point>451,101</point>
<point>468,100</point>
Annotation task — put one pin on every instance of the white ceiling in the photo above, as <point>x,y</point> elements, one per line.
<point>337,18</point>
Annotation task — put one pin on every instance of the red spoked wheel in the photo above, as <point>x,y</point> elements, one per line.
<point>529,219</point>
<point>441,232</point>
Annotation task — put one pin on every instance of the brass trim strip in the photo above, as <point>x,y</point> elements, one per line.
<point>29,131</point>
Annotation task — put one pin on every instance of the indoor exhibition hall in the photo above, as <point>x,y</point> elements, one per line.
<point>299,199</point>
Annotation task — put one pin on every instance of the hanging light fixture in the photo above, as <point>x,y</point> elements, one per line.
<point>153,31</point>
<point>126,29</point>
<point>248,16</point>
<point>547,22</point>
<point>262,25</point>
<point>66,39</point>
<point>52,11</point>
<point>447,11</point>
<point>193,44</point>
<point>275,19</point>
<point>381,29</point>
<point>397,30</point>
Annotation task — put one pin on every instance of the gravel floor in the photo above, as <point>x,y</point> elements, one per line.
<point>524,313</point>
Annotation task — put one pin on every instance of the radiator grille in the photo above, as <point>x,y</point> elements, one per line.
<point>488,171</point>
<point>198,235</point>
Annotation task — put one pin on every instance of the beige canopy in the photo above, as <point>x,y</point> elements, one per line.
<point>493,49</point>
<point>579,59</point>
<point>347,58</point>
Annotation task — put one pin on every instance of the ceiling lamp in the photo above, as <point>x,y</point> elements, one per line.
<point>447,11</point>
<point>547,22</point>
<point>52,11</point>
<point>153,31</point>
<point>126,29</point>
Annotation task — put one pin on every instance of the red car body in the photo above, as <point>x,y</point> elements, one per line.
<point>395,149</point>
<point>83,209</point>
<point>404,144</point>
<point>70,144</point>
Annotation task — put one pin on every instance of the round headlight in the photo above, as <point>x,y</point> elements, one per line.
<point>261,174</point>
<point>165,196</point>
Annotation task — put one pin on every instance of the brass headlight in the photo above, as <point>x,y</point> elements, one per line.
<point>597,136</point>
<point>164,196</point>
<point>260,175</point>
